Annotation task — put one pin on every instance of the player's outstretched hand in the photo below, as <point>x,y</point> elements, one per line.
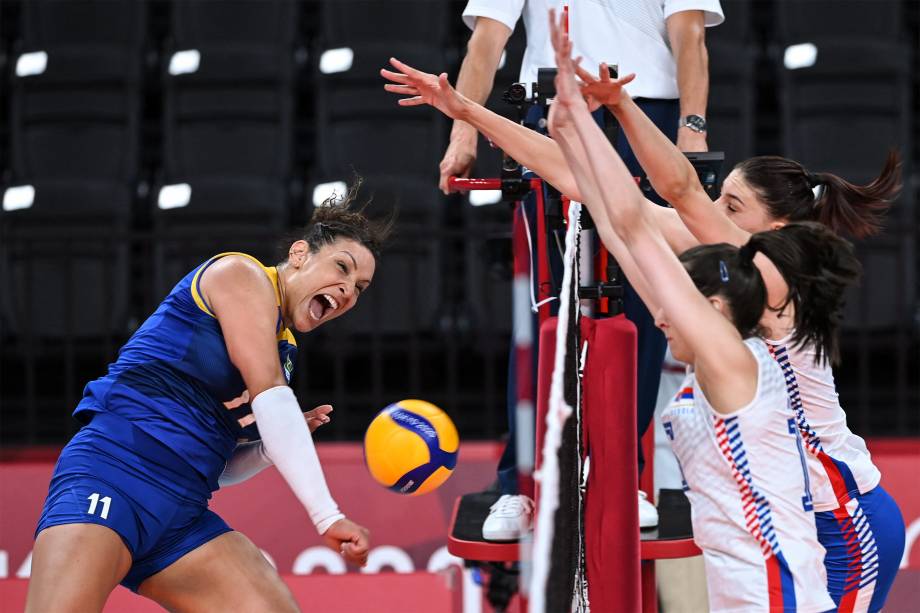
<point>568,93</point>
<point>349,539</point>
<point>318,416</point>
<point>423,88</point>
<point>602,90</point>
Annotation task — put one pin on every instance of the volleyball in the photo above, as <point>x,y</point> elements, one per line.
<point>411,447</point>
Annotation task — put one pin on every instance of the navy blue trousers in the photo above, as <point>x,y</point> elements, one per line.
<point>651,342</point>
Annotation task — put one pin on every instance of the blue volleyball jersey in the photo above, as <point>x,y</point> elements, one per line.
<point>174,380</point>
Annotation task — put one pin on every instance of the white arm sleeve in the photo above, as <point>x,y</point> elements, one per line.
<point>247,461</point>
<point>288,443</point>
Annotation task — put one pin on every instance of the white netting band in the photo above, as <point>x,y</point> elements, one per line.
<point>558,412</point>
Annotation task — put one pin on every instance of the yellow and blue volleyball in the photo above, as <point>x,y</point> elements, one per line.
<point>411,447</point>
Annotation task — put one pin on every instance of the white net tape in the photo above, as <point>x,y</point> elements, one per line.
<point>556,416</point>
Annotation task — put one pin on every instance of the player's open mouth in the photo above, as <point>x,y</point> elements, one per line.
<point>321,304</point>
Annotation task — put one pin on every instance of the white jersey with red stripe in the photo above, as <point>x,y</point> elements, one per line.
<point>745,476</point>
<point>842,467</point>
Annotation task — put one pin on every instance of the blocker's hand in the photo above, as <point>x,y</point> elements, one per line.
<point>318,416</point>
<point>423,88</point>
<point>349,539</point>
<point>602,90</point>
<point>435,90</point>
<point>568,96</point>
<point>568,93</point>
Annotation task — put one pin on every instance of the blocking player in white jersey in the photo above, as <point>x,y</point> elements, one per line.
<point>859,523</point>
<point>733,428</point>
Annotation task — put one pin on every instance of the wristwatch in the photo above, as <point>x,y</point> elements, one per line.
<point>694,122</point>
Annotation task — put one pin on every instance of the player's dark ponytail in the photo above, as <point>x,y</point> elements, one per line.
<point>818,266</point>
<point>792,193</point>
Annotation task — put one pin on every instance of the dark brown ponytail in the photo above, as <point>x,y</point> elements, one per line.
<point>818,266</point>
<point>788,190</point>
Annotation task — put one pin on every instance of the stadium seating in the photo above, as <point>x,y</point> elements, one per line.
<point>846,100</point>
<point>359,127</point>
<point>74,149</point>
<point>228,76</point>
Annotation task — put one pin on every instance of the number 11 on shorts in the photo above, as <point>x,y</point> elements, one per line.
<point>94,501</point>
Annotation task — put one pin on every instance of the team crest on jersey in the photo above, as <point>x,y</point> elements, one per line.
<point>288,368</point>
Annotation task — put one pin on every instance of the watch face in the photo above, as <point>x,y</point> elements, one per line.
<point>695,123</point>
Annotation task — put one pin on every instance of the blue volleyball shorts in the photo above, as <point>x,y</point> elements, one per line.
<point>864,540</point>
<point>114,475</point>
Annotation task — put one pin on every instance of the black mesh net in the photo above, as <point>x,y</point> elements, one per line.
<point>565,586</point>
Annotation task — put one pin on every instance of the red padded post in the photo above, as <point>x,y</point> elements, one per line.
<point>609,400</point>
<point>611,516</point>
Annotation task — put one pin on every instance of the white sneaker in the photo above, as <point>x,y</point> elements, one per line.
<point>509,518</point>
<point>648,514</point>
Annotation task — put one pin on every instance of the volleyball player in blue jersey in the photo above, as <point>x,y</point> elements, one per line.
<point>128,500</point>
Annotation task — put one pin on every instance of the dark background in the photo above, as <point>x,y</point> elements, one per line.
<point>257,126</point>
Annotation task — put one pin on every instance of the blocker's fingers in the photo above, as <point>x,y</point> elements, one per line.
<point>553,32</point>
<point>401,89</point>
<point>603,71</point>
<point>404,68</point>
<point>414,101</point>
<point>628,78</point>
<point>394,76</point>
<point>583,74</point>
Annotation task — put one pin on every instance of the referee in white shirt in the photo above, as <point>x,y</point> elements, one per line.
<point>663,42</point>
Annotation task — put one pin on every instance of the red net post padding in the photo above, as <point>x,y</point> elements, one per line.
<point>612,552</point>
<point>611,513</point>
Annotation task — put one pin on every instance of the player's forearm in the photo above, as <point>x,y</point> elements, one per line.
<point>288,443</point>
<point>622,199</point>
<point>532,149</point>
<point>668,169</point>
<point>577,160</point>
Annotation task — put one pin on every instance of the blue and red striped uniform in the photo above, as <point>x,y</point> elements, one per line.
<point>858,523</point>
<point>745,478</point>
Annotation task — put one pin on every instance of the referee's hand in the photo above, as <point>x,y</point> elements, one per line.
<point>349,539</point>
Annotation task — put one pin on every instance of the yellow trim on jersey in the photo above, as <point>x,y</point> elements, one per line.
<point>271,273</point>
<point>286,335</point>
